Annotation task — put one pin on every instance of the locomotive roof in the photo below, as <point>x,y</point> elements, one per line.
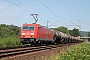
<point>31,24</point>
<point>36,24</point>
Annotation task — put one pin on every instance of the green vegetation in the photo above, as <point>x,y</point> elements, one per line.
<point>79,52</point>
<point>10,41</point>
<point>75,32</point>
<point>62,29</point>
<point>9,35</point>
<point>8,30</point>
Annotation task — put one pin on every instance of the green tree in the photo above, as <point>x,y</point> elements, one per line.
<point>75,32</point>
<point>9,35</point>
<point>89,34</point>
<point>62,29</point>
<point>8,30</point>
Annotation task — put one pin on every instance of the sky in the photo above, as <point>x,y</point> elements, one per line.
<point>68,13</point>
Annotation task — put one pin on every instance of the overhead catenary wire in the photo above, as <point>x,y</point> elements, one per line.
<point>61,15</point>
<point>23,4</point>
<point>45,6</point>
<point>54,8</point>
<point>52,23</point>
<point>30,11</point>
<point>74,23</point>
<point>50,10</point>
<point>34,10</point>
<point>18,6</point>
<point>29,7</point>
<point>22,7</point>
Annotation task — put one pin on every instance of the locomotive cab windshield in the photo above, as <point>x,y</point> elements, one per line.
<point>28,28</point>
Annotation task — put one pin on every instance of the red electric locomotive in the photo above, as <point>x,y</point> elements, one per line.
<point>35,33</point>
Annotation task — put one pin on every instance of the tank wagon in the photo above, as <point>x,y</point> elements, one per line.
<point>37,34</point>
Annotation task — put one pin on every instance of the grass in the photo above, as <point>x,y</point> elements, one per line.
<point>79,52</point>
<point>10,41</point>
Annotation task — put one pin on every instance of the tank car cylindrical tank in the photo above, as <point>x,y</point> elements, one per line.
<point>56,34</point>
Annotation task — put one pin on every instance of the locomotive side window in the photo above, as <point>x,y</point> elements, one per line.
<point>25,27</point>
<point>31,27</point>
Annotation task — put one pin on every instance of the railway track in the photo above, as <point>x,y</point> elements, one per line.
<point>23,50</point>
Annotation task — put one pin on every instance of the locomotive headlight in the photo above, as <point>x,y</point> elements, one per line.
<point>31,33</point>
<point>23,33</point>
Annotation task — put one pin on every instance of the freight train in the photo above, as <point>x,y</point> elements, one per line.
<point>37,34</point>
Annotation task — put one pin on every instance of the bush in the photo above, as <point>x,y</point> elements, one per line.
<point>10,41</point>
<point>79,52</point>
